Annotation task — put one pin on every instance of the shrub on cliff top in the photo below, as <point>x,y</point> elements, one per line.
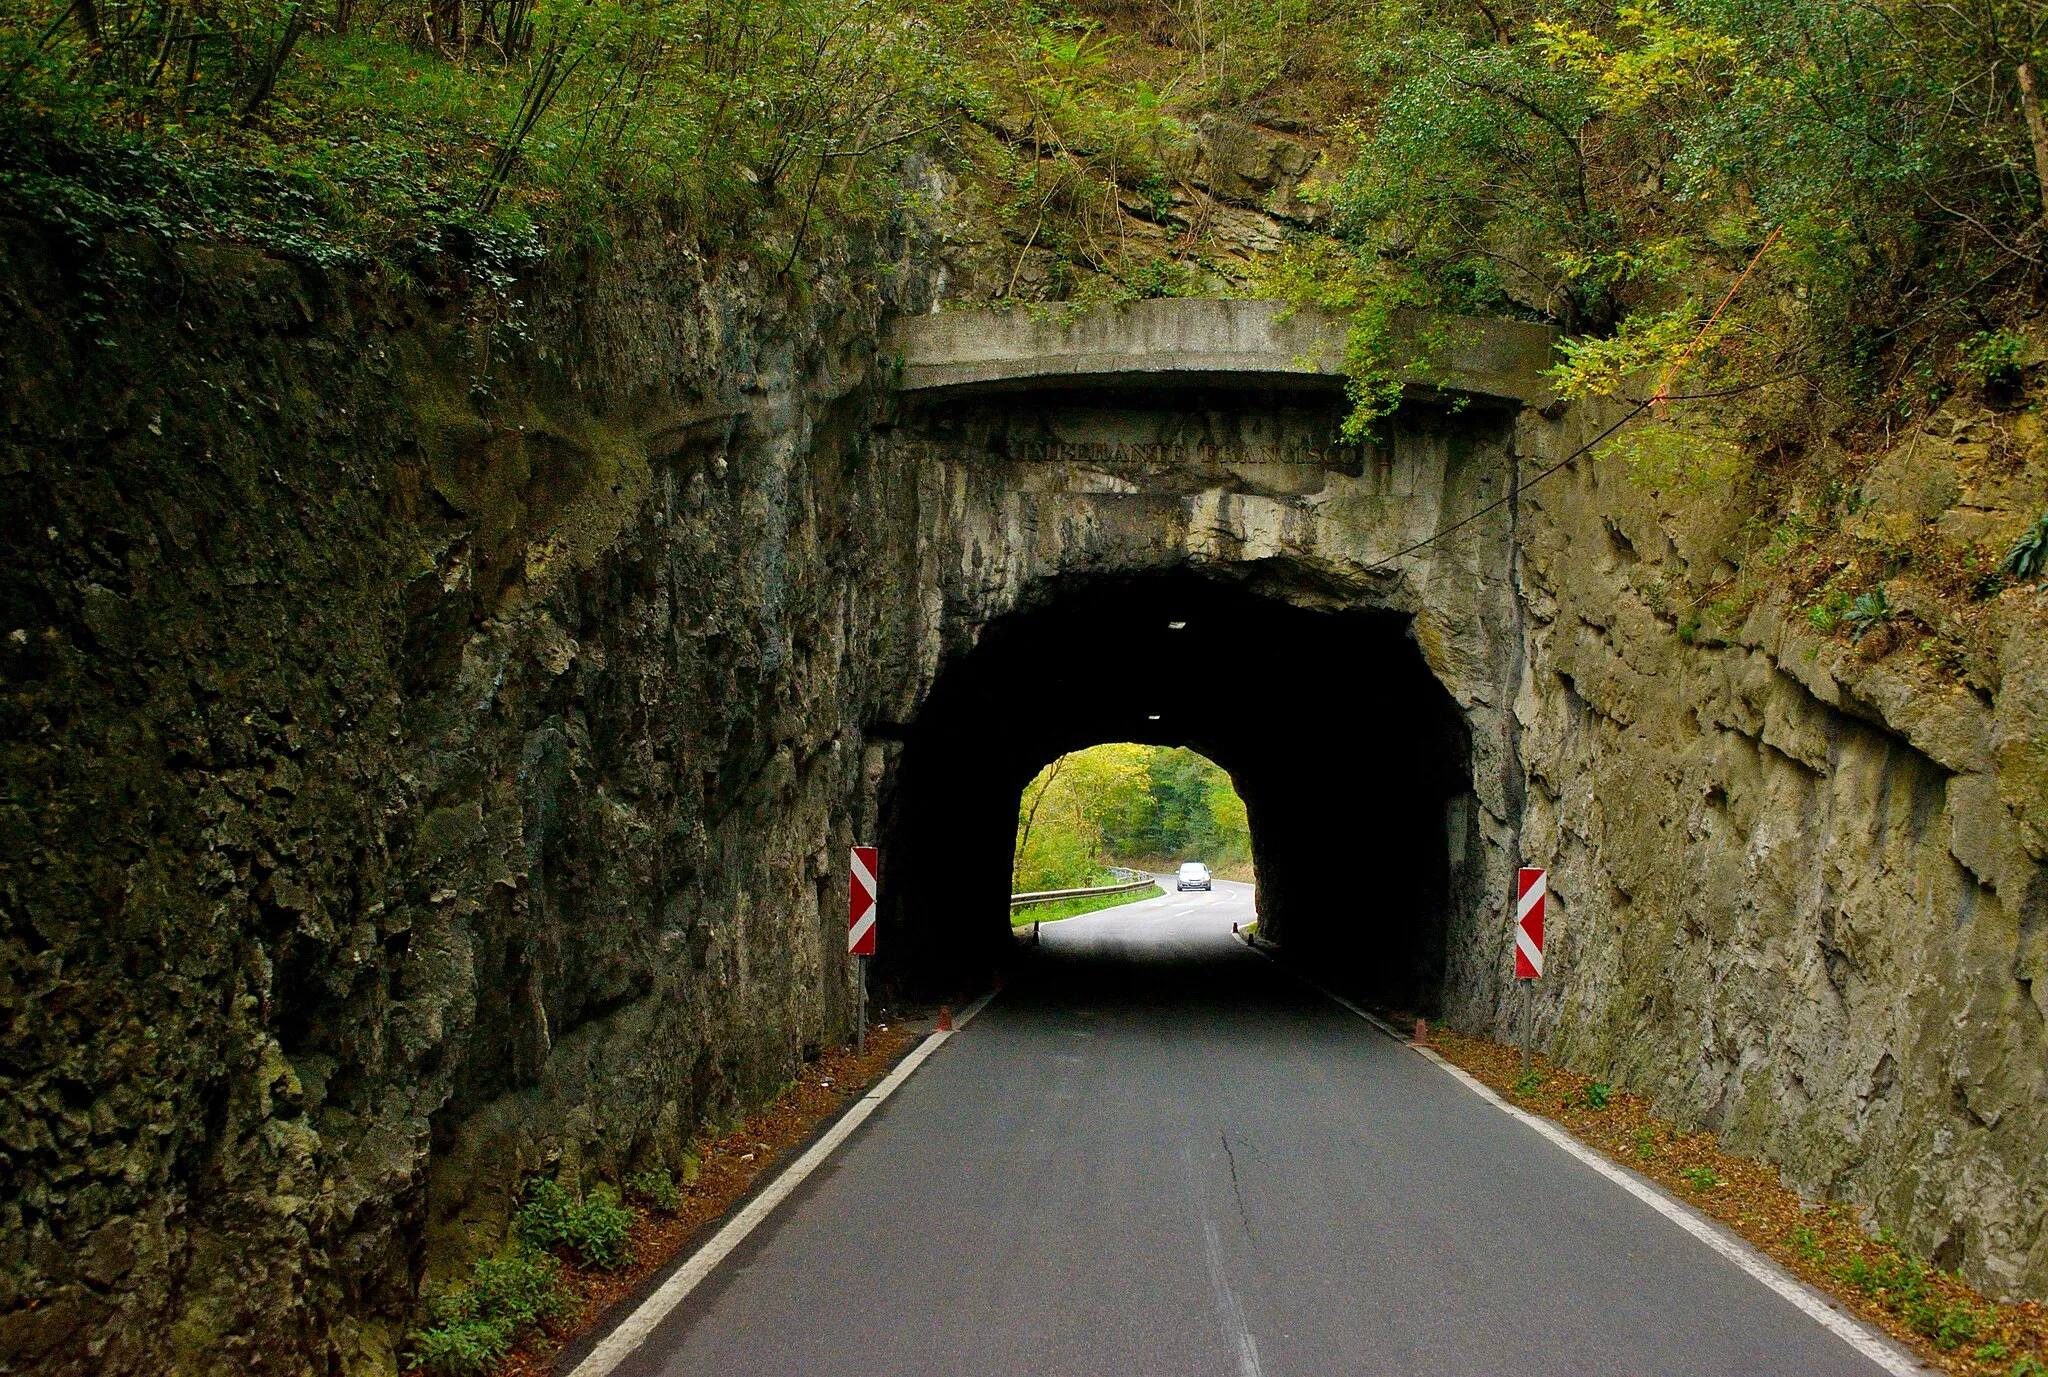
<point>1728,205</point>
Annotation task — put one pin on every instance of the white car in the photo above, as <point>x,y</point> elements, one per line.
<point>1192,875</point>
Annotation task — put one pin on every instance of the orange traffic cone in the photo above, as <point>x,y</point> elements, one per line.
<point>945,1018</point>
<point>1422,1032</point>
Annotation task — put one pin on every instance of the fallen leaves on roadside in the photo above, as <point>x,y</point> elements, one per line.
<point>1930,1311</point>
<point>730,1164</point>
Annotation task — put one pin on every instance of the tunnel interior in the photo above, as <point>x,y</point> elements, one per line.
<point>1346,750</point>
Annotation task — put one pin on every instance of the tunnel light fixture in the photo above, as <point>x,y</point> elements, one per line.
<point>1153,718</point>
<point>1176,626</point>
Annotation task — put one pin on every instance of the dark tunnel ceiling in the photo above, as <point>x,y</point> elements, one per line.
<point>1342,744</point>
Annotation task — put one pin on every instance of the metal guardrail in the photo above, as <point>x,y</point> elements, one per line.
<point>1047,896</point>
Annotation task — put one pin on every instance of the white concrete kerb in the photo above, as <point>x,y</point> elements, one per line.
<point>632,1331</point>
<point>1872,1344</point>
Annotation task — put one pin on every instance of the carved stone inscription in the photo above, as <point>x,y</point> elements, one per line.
<point>1096,453</point>
<point>1151,455</point>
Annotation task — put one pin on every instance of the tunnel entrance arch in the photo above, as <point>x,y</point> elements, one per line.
<point>1348,753</point>
<point>1085,481</point>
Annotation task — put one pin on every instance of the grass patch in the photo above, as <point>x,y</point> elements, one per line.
<point>1074,908</point>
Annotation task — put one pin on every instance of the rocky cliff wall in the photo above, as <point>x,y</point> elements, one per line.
<point>433,724</point>
<point>429,743</point>
<point>1798,886</point>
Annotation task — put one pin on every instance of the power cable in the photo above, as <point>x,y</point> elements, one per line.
<point>1638,409</point>
<point>1641,406</point>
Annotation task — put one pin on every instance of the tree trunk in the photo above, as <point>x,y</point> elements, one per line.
<point>2030,101</point>
<point>1032,817</point>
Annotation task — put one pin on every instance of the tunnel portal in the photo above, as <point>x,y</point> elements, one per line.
<point>1346,750</point>
<point>1350,643</point>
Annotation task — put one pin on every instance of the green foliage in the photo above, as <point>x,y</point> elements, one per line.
<point>1124,801</point>
<point>1681,450</point>
<point>1622,170</point>
<point>1903,1285</point>
<point>370,126</point>
<point>1700,1178</point>
<point>1646,1144</point>
<point>658,1189</point>
<point>1806,1243</point>
<point>1825,615</point>
<point>1869,611</point>
<point>2030,552</point>
<point>475,1326</point>
<point>596,1228</point>
<point>1597,1095</point>
<point>1599,365</point>
<point>1529,1082</point>
<point>1991,359</point>
<point>2028,1366</point>
<point>1661,59</point>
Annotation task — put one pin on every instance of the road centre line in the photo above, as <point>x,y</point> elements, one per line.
<point>1851,1331</point>
<point>633,1331</point>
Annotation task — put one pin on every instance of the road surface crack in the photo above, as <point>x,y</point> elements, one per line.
<point>1236,1193</point>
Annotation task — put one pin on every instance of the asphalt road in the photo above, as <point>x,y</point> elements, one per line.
<point>1163,1155</point>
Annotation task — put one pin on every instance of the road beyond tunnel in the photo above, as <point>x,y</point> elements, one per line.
<point>1159,1153</point>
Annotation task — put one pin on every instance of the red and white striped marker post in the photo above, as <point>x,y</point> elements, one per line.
<point>1531,886</point>
<point>860,932</point>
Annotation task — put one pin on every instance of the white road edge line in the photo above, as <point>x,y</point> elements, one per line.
<point>632,1331</point>
<point>1867,1341</point>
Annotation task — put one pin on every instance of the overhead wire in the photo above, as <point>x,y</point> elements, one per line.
<point>1638,409</point>
<point>1664,396</point>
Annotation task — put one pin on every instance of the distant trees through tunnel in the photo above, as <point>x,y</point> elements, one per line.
<point>1351,760</point>
<point>1127,803</point>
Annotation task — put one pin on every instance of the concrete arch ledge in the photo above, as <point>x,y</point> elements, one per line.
<point>1203,341</point>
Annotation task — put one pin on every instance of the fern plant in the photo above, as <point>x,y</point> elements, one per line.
<point>1866,614</point>
<point>2030,552</point>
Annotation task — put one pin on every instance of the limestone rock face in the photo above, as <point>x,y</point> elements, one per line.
<point>421,768</point>
<point>432,758</point>
<point>1246,163</point>
<point>431,739</point>
<point>1797,892</point>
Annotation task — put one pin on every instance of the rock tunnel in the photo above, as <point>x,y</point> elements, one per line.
<point>1155,530</point>
<point>1349,754</point>
<point>476,802</point>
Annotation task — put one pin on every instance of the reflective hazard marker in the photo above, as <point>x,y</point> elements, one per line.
<point>1531,885</point>
<point>860,935</point>
<point>860,922</point>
